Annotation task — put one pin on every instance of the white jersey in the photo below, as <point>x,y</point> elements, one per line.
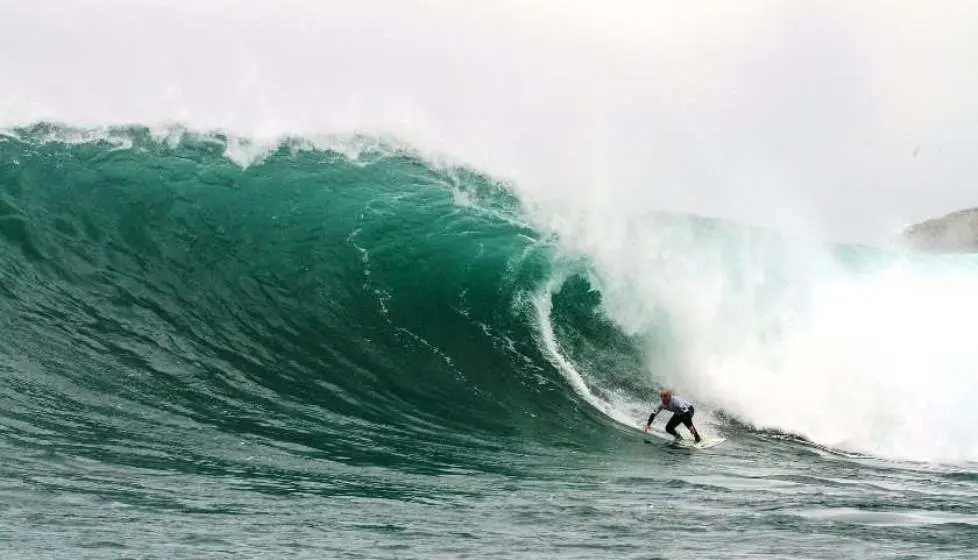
<point>675,404</point>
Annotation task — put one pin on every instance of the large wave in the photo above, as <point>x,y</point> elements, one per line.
<point>361,302</point>
<point>349,295</point>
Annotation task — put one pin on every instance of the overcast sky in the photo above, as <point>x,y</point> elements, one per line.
<point>843,119</point>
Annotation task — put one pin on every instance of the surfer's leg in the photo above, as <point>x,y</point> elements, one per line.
<point>673,422</point>
<point>688,421</point>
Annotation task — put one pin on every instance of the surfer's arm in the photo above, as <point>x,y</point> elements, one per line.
<point>652,417</point>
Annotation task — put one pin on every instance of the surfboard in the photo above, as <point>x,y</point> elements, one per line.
<point>705,443</point>
<point>685,443</point>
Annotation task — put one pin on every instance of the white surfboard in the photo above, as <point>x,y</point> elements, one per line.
<point>685,443</point>
<point>704,443</point>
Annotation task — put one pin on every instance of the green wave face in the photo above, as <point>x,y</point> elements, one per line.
<point>356,305</point>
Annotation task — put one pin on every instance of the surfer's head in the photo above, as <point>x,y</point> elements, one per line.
<point>665,394</point>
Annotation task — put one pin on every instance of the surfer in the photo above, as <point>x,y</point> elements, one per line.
<point>682,411</point>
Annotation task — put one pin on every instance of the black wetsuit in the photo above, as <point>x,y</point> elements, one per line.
<point>682,412</point>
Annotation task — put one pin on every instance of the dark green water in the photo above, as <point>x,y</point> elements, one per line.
<point>326,355</point>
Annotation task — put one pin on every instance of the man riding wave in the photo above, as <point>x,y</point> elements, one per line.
<point>682,411</point>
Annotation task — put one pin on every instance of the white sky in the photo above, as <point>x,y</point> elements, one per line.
<point>803,116</point>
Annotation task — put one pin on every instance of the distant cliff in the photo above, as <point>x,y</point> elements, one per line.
<point>955,232</point>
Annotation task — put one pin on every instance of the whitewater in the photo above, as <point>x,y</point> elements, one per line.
<point>372,280</point>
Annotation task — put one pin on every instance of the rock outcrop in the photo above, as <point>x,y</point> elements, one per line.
<point>956,232</point>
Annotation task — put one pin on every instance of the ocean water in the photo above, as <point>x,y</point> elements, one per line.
<point>400,280</point>
<point>342,348</point>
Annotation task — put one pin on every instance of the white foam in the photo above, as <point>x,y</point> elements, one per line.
<point>620,410</point>
<point>778,333</point>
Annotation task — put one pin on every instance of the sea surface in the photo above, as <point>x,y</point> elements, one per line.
<point>339,348</point>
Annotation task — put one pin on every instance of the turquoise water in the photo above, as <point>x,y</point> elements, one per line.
<point>339,353</point>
